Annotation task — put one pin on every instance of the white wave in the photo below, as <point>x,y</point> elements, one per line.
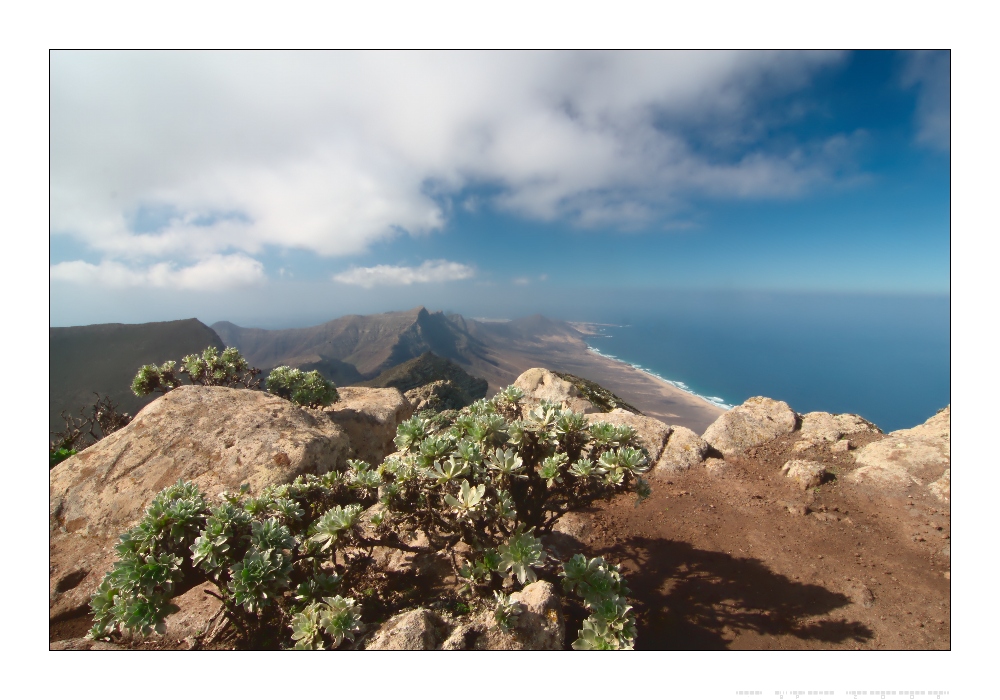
<point>714,400</point>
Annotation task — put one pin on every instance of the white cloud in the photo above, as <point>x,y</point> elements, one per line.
<point>217,272</point>
<point>930,72</point>
<point>521,280</point>
<point>330,152</point>
<point>397,275</point>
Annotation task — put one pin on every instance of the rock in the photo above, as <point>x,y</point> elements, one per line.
<point>942,487</point>
<point>903,458</point>
<point>803,445</point>
<point>217,437</point>
<point>756,421</point>
<point>650,433</point>
<point>684,449</point>
<point>83,644</point>
<point>936,429</point>
<point>568,534</point>
<point>200,614</point>
<point>540,626</point>
<point>807,474</point>
<point>841,446</point>
<point>441,395</point>
<point>861,595</point>
<point>416,630</point>
<point>830,427</point>
<point>540,384</point>
<point>716,466</point>
<point>370,417</point>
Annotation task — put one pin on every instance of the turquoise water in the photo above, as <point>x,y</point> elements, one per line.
<point>887,359</point>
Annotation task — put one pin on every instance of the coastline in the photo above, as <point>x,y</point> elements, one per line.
<point>597,330</point>
<point>714,400</point>
<point>566,350</point>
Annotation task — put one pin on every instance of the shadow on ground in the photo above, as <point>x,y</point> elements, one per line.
<point>687,598</point>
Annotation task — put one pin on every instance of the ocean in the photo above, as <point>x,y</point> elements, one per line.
<point>887,359</point>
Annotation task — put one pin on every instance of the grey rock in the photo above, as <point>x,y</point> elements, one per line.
<point>540,626</point>
<point>754,422</point>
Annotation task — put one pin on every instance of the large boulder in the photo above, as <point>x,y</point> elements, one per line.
<point>831,427</point>
<point>650,433</point>
<point>217,437</point>
<point>756,421</point>
<point>539,384</point>
<point>904,458</point>
<point>370,417</point>
<point>683,450</point>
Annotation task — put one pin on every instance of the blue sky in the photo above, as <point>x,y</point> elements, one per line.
<point>278,189</point>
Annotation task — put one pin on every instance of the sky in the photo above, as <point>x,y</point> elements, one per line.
<point>279,189</point>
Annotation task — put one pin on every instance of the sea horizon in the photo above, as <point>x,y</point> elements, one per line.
<point>886,359</point>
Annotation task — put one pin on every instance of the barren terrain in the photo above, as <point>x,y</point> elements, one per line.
<point>739,558</point>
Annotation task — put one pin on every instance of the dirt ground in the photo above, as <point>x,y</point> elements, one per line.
<point>738,557</point>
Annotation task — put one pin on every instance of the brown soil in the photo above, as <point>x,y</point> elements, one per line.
<point>721,560</point>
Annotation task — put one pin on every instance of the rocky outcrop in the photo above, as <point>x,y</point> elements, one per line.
<point>219,438</point>
<point>831,427</point>
<point>369,417</point>
<point>651,434</point>
<point>942,487</point>
<point>540,384</point>
<point>915,456</point>
<point>684,449</point>
<point>807,474</point>
<point>756,421</point>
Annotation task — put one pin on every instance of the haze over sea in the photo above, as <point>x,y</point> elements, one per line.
<point>885,358</point>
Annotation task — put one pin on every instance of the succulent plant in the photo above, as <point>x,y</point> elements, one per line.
<point>506,463</point>
<point>522,552</point>
<point>505,611</point>
<point>469,500</point>
<point>332,523</point>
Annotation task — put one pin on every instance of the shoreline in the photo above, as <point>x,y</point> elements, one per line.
<point>716,401</point>
<point>595,330</point>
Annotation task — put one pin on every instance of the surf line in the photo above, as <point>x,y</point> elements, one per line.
<point>714,400</point>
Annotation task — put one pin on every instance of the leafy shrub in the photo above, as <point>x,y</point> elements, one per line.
<point>302,388</point>
<point>293,563</point>
<point>208,369</point>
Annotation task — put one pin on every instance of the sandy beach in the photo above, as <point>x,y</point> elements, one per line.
<point>564,349</point>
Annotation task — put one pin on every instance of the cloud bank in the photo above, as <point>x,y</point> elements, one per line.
<point>217,272</point>
<point>395,275</point>
<point>188,156</point>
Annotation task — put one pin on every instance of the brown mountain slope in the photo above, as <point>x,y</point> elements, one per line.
<point>495,351</point>
<point>371,343</point>
<point>104,358</point>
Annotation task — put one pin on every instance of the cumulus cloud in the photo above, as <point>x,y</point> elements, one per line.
<point>217,272</point>
<point>930,73</point>
<point>398,275</point>
<point>331,152</point>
